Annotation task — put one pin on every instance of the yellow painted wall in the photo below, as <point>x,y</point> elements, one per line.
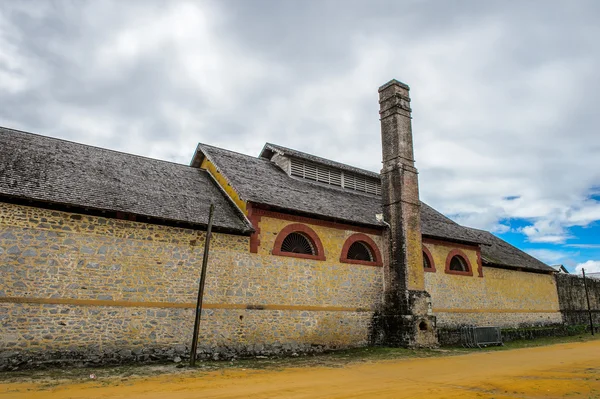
<point>502,297</point>
<point>71,280</point>
<point>78,281</point>
<point>334,282</point>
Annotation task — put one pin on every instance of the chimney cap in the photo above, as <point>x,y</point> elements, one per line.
<point>394,82</point>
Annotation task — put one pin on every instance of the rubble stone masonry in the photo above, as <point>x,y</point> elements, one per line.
<point>504,298</point>
<point>88,289</point>
<point>83,287</point>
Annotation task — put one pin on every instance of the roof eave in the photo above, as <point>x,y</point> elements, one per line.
<point>94,211</point>
<point>289,211</point>
<point>268,147</point>
<point>453,240</point>
<point>489,263</point>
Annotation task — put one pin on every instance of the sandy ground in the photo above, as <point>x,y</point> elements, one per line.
<point>566,370</point>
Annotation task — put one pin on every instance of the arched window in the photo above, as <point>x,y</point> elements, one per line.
<point>458,263</point>
<point>298,241</point>
<point>361,249</point>
<point>428,264</point>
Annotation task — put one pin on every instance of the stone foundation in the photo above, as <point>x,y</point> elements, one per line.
<point>68,334</point>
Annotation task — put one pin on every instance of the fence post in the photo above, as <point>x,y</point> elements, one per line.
<point>587,297</point>
<point>201,287</point>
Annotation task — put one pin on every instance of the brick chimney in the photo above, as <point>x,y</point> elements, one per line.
<point>405,318</point>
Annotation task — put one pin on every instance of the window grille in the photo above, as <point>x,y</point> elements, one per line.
<point>360,251</point>
<point>426,262</point>
<point>458,264</point>
<point>297,243</point>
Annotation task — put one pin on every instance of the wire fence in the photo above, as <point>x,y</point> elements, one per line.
<point>478,337</point>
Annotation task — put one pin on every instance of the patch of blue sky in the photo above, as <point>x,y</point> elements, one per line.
<point>582,245</point>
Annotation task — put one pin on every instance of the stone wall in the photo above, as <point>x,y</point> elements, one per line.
<point>84,287</point>
<point>572,300</point>
<point>80,288</point>
<point>505,298</point>
<point>327,282</point>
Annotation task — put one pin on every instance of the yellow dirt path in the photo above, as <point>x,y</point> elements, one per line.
<point>567,370</point>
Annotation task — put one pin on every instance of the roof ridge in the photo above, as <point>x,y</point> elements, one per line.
<point>233,152</point>
<point>92,146</point>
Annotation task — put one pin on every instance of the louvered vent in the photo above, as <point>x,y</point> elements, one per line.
<point>310,171</point>
<point>349,181</point>
<point>360,251</point>
<point>298,243</point>
<point>361,184</point>
<point>372,187</point>
<point>297,168</point>
<point>335,177</point>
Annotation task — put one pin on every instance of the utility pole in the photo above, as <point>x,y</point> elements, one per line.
<point>587,296</point>
<point>201,287</point>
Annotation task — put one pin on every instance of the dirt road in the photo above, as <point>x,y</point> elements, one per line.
<point>566,370</point>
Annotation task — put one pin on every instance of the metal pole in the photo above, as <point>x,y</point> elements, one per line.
<point>201,287</point>
<point>587,296</point>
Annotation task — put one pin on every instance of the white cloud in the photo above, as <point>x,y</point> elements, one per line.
<point>590,266</point>
<point>18,72</point>
<point>545,231</point>
<point>504,103</point>
<point>551,256</point>
<point>500,228</point>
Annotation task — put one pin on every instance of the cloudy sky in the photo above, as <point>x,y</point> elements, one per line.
<point>505,94</point>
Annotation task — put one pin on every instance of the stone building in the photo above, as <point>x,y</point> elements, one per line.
<point>100,253</point>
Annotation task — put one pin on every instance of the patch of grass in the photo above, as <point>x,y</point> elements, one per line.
<point>116,375</point>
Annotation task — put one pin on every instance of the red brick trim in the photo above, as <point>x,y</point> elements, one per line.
<point>367,240</point>
<point>297,227</point>
<point>258,211</point>
<point>254,218</point>
<point>430,258</point>
<point>460,253</point>
<point>449,243</point>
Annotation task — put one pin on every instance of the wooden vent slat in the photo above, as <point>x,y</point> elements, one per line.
<point>335,177</point>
